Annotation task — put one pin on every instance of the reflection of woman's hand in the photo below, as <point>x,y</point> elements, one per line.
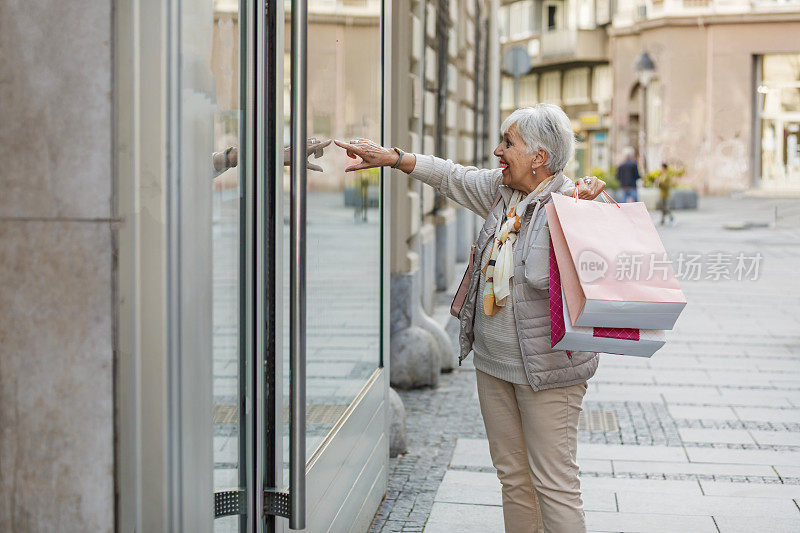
<point>226,159</point>
<point>372,155</point>
<point>312,146</point>
<point>590,187</point>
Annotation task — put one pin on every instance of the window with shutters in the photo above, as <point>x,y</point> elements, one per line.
<point>576,86</point>
<point>551,87</point>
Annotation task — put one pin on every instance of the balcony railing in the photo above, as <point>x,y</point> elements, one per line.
<point>570,45</point>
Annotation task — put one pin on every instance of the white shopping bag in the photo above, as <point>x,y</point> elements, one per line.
<point>565,336</point>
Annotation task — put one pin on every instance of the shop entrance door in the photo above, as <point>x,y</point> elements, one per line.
<point>778,122</point>
<point>326,408</point>
<point>299,283</point>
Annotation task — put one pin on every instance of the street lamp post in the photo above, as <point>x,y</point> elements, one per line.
<point>645,70</point>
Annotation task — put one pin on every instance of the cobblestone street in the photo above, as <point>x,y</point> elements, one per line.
<point>705,436</point>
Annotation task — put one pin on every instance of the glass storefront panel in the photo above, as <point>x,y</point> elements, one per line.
<point>210,120</point>
<point>780,150</point>
<point>343,216</point>
<point>778,97</point>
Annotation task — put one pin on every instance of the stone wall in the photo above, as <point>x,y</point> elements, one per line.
<point>433,113</point>
<point>56,267</point>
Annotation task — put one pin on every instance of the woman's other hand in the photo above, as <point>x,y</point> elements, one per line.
<point>372,155</point>
<point>589,187</point>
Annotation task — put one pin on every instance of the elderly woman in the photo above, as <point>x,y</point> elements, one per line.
<point>530,395</point>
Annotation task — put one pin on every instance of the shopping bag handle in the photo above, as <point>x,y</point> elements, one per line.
<point>606,197</point>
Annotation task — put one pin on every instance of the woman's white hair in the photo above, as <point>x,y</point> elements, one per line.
<point>544,126</point>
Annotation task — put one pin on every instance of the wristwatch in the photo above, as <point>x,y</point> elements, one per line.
<point>399,156</point>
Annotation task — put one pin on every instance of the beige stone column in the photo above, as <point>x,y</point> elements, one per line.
<point>56,268</point>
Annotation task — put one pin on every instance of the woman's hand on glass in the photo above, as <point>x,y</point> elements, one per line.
<point>372,154</point>
<point>589,187</point>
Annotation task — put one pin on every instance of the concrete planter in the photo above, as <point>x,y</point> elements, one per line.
<point>682,199</point>
<point>678,198</point>
<point>649,195</point>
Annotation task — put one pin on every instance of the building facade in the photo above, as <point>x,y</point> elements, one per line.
<point>567,43</point>
<point>199,322</point>
<point>722,101</point>
<point>447,68</point>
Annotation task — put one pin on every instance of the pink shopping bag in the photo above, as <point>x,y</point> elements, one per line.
<point>614,269</point>
<point>565,336</point>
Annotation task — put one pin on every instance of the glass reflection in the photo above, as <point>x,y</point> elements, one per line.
<point>211,115</point>
<point>343,225</point>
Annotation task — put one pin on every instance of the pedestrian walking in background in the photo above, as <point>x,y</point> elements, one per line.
<point>665,182</point>
<point>530,395</point>
<point>628,176</point>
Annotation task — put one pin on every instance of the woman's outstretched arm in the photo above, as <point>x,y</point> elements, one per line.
<point>471,187</point>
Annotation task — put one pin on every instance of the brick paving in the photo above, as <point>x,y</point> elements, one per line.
<point>452,409</point>
<point>709,428</point>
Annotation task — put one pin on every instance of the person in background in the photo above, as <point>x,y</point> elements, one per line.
<point>628,175</point>
<point>665,182</point>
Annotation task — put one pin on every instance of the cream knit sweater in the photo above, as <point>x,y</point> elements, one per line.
<point>496,347</point>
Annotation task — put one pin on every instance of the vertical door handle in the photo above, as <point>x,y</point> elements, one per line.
<point>297,333</point>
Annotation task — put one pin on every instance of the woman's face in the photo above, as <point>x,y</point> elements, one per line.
<point>517,164</point>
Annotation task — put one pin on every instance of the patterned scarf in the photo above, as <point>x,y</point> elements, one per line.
<point>500,268</point>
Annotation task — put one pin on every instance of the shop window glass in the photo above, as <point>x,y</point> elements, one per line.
<point>343,307</point>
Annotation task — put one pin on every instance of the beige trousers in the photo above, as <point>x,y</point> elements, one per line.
<point>533,439</point>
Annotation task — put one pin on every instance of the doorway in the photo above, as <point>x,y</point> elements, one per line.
<point>298,268</point>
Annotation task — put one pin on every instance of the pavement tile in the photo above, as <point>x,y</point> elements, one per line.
<point>462,518</point>
<point>636,389</point>
<point>652,467</point>
<point>595,465</point>
<point>701,413</point>
<point>226,449</point>
<point>472,452</point>
<point>617,361</point>
<point>729,436</point>
<point>776,438</point>
<point>666,361</point>
<point>788,471</point>
<point>788,365</point>
<point>478,488</point>
<point>648,523</point>
<point>689,504</point>
<point>785,383</point>
<point>602,396</point>
<point>751,490</point>
<point>697,377</point>
<point>475,488</point>
<point>737,397</point>
<point>666,486</point>
<point>791,416</point>
<point>738,524</point>
<point>226,478</point>
<point>630,453</point>
<point>760,397</point>
<point>750,457</point>
<point>747,379</point>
